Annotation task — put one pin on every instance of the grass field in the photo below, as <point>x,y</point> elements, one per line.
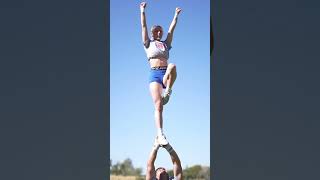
<point>113,177</point>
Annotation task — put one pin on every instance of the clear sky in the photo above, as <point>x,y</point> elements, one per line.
<point>187,115</point>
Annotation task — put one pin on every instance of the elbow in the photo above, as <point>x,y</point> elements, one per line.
<point>150,167</point>
<point>177,164</point>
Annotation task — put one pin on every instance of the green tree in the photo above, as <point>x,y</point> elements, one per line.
<point>196,172</point>
<point>192,172</point>
<point>115,169</point>
<point>125,168</point>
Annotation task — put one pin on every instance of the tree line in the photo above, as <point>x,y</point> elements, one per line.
<point>126,168</point>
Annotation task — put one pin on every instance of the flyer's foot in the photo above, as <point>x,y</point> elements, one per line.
<point>162,140</point>
<point>166,97</point>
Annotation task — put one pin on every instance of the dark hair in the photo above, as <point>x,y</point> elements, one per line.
<point>160,168</point>
<point>164,171</point>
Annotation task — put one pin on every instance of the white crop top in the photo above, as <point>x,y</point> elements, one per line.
<point>157,49</point>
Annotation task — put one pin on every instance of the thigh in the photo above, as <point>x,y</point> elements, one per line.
<point>156,91</point>
<point>171,67</point>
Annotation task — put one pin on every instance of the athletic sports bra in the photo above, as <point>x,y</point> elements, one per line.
<point>157,49</point>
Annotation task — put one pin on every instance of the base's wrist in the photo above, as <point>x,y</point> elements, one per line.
<point>169,148</point>
<point>155,147</point>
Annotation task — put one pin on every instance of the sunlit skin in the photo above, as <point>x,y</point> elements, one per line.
<point>171,72</point>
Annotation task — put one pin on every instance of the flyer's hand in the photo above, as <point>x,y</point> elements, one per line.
<point>178,10</point>
<point>156,144</point>
<point>143,5</point>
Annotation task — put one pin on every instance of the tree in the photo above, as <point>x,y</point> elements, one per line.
<point>196,172</point>
<point>125,168</point>
<point>115,169</point>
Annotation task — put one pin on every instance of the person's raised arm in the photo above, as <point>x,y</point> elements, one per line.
<point>173,26</point>
<point>145,37</point>
<point>152,158</point>
<point>177,168</point>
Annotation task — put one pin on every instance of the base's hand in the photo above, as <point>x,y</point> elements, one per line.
<point>178,10</point>
<point>156,144</point>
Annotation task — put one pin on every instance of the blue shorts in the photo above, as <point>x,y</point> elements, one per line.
<point>156,75</point>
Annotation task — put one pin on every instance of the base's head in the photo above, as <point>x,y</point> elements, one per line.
<point>161,174</point>
<point>156,32</point>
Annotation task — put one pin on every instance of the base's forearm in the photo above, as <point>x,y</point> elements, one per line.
<point>177,168</point>
<point>152,156</point>
<point>150,173</point>
<point>174,157</point>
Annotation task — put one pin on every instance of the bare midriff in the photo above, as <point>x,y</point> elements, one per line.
<point>158,62</point>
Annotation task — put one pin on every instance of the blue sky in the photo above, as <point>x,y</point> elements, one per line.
<point>187,115</point>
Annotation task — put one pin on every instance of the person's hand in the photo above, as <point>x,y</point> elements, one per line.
<point>156,144</point>
<point>178,10</point>
<point>143,6</point>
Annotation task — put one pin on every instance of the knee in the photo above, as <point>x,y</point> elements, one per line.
<point>158,106</point>
<point>172,66</point>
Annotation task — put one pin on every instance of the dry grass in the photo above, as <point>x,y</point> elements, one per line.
<point>113,177</point>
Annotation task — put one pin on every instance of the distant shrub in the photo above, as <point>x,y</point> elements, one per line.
<point>125,168</point>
